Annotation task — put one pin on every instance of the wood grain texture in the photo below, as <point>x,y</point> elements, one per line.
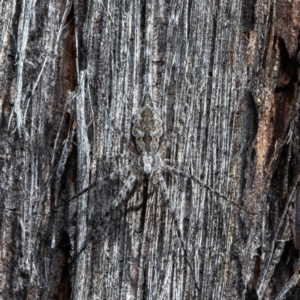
<point>224,77</point>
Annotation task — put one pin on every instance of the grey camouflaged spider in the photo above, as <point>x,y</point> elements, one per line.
<point>147,137</point>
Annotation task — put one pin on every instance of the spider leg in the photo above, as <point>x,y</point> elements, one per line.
<point>127,187</point>
<point>192,177</point>
<point>87,242</point>
<point>110,176</point>
<point>172,211</point>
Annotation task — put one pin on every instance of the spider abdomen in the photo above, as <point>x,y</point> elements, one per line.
<point>147,130</point>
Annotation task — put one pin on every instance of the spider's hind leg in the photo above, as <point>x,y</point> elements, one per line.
<point>160,179</point>
<point>122,196</point>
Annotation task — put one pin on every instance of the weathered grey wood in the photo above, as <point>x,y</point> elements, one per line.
<point>225,77</point>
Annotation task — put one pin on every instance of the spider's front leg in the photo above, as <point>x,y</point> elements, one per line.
<point>158,180</point>
<point>175,171</point>
<point>86,189</point>
<point>126,188</point>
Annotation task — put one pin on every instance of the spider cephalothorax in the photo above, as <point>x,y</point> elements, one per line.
<point>148,163</point>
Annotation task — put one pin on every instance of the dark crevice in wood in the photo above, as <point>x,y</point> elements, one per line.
<point>69,175</point>
<point>284,269</point>
<point>270,39</point>
<point>64,288</point>
<point>251,295</point>
<point>78,12</point>
<point>257,268</point>
<point>276,197</point>
<point>248,14</point>
<point>249,128</point>
<point>190,20</point>
<point>144,207</point>
<point>144,267</point>
<point>68,58</point>
<point>293,294</point>
<point>284,101</point>
<point>70,16</point>
<point>288,68</point>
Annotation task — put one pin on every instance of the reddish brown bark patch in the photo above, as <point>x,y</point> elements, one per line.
<point>287,24</point>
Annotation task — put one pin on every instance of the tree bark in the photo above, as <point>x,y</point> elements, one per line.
<point>224,76</point>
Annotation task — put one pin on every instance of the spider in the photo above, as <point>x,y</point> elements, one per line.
<point>147,137</point>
